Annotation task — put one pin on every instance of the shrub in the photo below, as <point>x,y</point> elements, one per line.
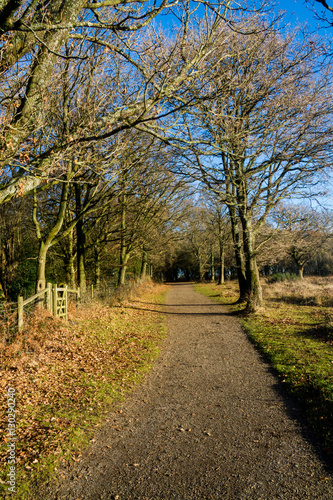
<point>279,277</point>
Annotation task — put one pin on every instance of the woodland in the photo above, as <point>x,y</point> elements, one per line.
<point>181,140</point>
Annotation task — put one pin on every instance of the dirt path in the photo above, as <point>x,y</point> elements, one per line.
<point>209,423</point>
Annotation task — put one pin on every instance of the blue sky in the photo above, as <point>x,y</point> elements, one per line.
<point>298,11</point>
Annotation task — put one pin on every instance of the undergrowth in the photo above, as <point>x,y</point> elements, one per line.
<point>67,376</point>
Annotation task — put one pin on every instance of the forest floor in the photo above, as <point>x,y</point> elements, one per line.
<point>211,421</point>
<point>61,379</point>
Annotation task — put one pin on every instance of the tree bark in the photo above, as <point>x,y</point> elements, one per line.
<point>41,266</point>
<point>123,254</point>
<point>299,261</point>
<point>80,241</point>
<point>221,252</point>
<point>239,257</point>
<point>143,271</point>
<point>212,267</point>
<point>254,291</point>
<point>97,268</point>
<point>70,271</point>
<point>123,269</point>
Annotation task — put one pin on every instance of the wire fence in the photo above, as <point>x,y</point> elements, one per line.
<point>14,314</point>
<point>109,292</point>
<point>8,321</point>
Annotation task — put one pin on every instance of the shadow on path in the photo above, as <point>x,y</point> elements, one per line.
<point>294,408</point>
<point>297,410</point>
<point>211,421</point>
<point>163,309</point>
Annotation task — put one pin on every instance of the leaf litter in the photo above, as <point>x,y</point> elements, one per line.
<point>66,375</point>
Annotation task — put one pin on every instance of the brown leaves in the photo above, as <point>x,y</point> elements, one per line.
<point>63,375</point>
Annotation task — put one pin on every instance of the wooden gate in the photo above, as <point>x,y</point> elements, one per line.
<point>60,302</point>
<point>56,301</point>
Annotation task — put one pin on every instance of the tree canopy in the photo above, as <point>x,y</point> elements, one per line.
<point>118,117</point>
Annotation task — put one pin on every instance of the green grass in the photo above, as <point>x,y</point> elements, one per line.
<point>297,342</point>
<point>88,369</point>
<point>226,293</point>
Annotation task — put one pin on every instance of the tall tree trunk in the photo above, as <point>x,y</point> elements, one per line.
<point>221,255</point>
<point>239,256</point>
<point>300,271</point>
<point>70,270</point>
<point>80,256</point>
<point>232,195</point>
<point>201,269</point>
<point>212,266</point>
<point>41,266</point>
<point>123,254</point>
<point>97,268</point>
<point>143,271</point>
<point>254,291</point>
<point>80,241</point>
<point>123,269</point>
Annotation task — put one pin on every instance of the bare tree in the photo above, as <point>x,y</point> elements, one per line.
<point>265,139</point>
<point>305,232</point>
<point>325,14</point>
<point>146,192</point>
<point>37,35</point>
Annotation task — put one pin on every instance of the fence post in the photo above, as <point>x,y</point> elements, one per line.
<point>92,292</point>
<point>20,313</point>
<point>49,297</point>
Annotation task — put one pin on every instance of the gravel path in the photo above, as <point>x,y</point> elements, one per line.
<point>210,422</point>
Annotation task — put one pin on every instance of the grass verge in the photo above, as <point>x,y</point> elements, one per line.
<point>294,330</point>
<point>67,377</point>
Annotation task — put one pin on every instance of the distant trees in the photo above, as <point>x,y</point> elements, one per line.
<point>16,241</point>
<point>220,228</point>
<point>197,232</point>
<point>202,245</point>
<point>148,196</point>
<point>305,232</point>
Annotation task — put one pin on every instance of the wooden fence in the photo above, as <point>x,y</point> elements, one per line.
<point>53,298</point>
